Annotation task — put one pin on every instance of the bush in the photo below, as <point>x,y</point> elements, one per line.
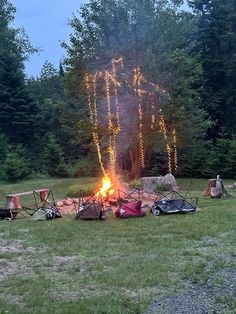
<point>231,159</point>
<point>82,189</point>
<point>15,166</point>
<point>136,184</point>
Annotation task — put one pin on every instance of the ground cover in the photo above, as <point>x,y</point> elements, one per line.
<point>145,265</point>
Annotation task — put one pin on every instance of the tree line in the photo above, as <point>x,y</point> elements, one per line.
<point>44,122</point>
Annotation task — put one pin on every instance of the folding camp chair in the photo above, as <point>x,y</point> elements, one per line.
<point>173,202</point>
<point>44,204</point>
<point>89,207</point>
<point>129,204</point>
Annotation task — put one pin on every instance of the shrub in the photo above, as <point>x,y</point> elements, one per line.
<point>15,166</point>
<point>231,159</point>
<point>136,184</point>
<point>82,189</point>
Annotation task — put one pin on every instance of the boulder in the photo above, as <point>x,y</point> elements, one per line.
<point>153,184</point>
<point>67,202</point>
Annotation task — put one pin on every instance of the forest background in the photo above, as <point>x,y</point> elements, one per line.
<point>45,127</point>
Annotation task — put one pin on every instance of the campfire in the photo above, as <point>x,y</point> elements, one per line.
<point>107,188</point>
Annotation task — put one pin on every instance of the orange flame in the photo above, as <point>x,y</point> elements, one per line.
<point>106,189</point>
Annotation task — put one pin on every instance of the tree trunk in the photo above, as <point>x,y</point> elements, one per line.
<point>215,188</point>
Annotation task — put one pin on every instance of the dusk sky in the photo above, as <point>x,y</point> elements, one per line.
<point>46,23</point>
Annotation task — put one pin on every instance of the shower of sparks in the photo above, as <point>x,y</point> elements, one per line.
<point>114,73</point>
<point>93,118</point>
<point>137,82</point>
<point>175,149</point>
<point>112,147</point>
<point>112,89</point>
<point>164,131</point>
<point>153,115</point>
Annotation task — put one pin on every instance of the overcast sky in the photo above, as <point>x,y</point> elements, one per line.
<point>46,23</point>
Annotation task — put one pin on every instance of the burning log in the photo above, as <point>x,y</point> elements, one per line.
<point>106,189</point>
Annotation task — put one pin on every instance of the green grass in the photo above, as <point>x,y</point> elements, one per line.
<point>112,266</point>
<point>59,187</point>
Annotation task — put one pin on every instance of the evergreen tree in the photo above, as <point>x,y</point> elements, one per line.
<point>217,45</point>
<point>54,162</point>
<point>17,110</point>
<point>152,34</point>
<point>48,92</point>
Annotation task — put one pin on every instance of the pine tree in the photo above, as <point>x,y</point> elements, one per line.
<point>17,110</point>
<point>154,35</point>
<point>217,45</point>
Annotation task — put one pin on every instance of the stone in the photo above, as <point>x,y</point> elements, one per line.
<point>67,202</point>
<point>153,184</point>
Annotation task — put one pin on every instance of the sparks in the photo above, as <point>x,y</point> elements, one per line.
<point>112,147</point>
<point>93,119</point>
<point>164,131</point>
<point>175,149</point>
<point>114,61</point>
<point>137,82</point>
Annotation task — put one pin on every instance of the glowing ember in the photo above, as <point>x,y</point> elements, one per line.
<point>106,189</point>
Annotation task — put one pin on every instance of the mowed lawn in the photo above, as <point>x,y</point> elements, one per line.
<point>113,266</point>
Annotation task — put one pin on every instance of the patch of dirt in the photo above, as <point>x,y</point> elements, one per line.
<point>208,241</point>
<point>16,246</point>
<point>198,298</point>
<point>9,268</point>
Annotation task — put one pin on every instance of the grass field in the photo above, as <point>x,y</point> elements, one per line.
<point>115,266</point>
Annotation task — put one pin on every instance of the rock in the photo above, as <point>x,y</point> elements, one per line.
<point>67,202</point>
<point>153,184</point>
<point>60,203</point>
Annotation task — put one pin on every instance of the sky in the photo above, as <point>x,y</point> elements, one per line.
<point>46,24</point>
